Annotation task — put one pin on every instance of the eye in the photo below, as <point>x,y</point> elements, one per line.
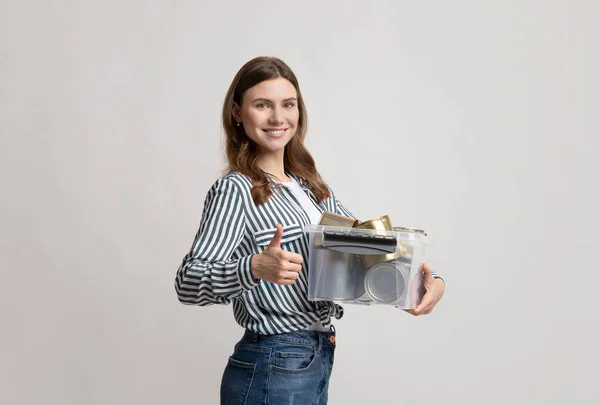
<point>289,105</point>
<point>261,105</point>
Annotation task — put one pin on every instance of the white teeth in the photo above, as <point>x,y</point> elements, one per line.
<point>275,132</point>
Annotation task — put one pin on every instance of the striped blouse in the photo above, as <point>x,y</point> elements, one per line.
<point>217,269</point>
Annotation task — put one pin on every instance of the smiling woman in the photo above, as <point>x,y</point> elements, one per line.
<point>269,115</point>
<point>251,250</point>
<point>263,99</point>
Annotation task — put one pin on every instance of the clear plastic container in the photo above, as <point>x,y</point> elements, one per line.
<point>364,266</point>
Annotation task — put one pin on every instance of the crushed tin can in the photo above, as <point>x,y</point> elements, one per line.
<point>329,218</point>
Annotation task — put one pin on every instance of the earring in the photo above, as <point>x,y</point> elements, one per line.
<point>238,124</point>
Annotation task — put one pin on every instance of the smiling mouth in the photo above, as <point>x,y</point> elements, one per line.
<point>274,131</point>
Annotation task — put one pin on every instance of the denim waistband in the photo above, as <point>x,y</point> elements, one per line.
<point>300,337</point>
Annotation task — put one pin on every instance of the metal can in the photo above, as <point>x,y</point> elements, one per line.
<point>386,283</point>
<point>381,223</point>
<point>403,253</point>
<point>329,218</point>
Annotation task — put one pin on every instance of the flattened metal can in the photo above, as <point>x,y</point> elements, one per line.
<point>329,218</point>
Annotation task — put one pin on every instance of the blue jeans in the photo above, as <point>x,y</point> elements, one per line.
<point>282,369</point>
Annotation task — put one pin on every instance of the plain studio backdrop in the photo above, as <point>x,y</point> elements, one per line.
<point>476,121</point>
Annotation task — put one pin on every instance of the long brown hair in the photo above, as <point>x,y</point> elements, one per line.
<point>242,152</point>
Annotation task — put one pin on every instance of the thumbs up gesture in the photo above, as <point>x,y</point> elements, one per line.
<point>275,264</point>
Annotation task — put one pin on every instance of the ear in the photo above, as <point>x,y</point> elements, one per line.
<point>236,112</point>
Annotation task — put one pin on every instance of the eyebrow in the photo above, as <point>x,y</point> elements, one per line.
<point>270,101</point>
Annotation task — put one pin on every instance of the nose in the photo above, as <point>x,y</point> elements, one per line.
<point>276,116</point>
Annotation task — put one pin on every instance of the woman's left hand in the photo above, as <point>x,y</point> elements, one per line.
<point>434,290</point>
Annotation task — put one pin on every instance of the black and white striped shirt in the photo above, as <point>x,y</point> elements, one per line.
<point>217,269</point>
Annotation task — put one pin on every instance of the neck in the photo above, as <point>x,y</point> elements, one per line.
<point>273,164</point>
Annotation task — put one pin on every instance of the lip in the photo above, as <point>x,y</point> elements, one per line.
<point>275,129</point>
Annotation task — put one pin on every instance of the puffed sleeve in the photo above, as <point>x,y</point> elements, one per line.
<point>209,273</point>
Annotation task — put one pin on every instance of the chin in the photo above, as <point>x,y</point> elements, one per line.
<point>272,147</point>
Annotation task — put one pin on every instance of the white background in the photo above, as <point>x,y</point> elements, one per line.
<point>472,120</point>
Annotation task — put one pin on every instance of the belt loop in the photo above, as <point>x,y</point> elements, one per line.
<point>254,337</point>
<point>320,336</point>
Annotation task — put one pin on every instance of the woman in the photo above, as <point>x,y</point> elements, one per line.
<point>251,251</point>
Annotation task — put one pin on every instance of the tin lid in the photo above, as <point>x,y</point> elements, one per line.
<point>385,282</point>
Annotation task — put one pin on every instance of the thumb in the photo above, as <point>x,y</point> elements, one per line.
<point>276,241</point>
<point>426,271</point>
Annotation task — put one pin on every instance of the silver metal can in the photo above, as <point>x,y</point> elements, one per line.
<point>386,283</point>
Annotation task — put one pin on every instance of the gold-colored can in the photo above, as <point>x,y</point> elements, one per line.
<point>329,218</point>
<point>381,223</point>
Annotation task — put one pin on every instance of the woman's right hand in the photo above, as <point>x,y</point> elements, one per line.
<point>275,264</point>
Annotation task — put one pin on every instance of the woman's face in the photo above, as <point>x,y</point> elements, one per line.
<point>269,114</point>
